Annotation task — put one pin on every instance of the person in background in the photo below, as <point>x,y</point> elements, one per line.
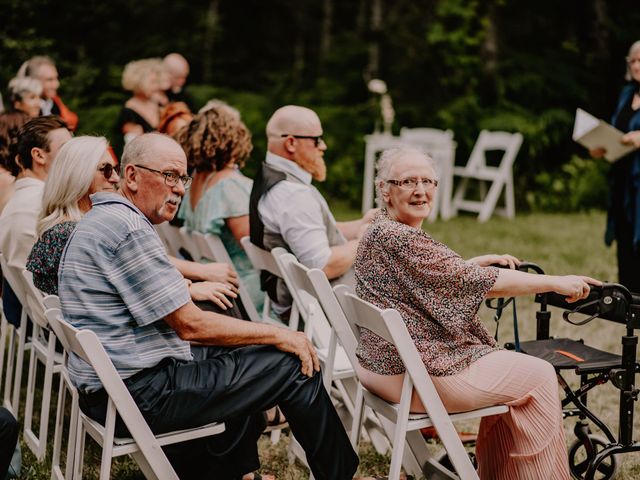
<point>623,214</point>
<point>217,143</point>
<point>10,125</point>
<point>141,113</point>
<point>24,95</point>
<point>173,117</point>
<point>44,69</point>
<point>178,69</point>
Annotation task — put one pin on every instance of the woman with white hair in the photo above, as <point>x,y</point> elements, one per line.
<point>24,95</point>
<point>438,294</point>
<point>83,167</point>
<point>623,216</point>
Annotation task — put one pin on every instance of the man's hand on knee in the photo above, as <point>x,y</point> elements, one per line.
<point>298,344</point>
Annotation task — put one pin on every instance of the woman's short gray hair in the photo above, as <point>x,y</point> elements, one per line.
<point>390,157</point>
<point>635,46</point>
<point>18,86</point>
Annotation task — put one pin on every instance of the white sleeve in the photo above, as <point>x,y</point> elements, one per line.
<point>296,214</point>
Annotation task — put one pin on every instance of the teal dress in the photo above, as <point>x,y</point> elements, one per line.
<point>228,198</point>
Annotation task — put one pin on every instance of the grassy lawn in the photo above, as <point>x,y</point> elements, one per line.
<point>559,243</point>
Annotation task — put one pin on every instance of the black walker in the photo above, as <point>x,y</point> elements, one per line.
<point>589,454</point>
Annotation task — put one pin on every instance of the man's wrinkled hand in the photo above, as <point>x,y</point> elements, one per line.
<point>298,344</point>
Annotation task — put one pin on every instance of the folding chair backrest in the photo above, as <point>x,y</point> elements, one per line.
<point>35,300</point>
<point>324,293</point>
<point>53,314</point>
<point>87,346</point>
<point>189,245</point>
<point>432,136</point>
<point>487,141</point>
<point>212,249</point>
<point>170,236</point>
<point>295,276</point>
<point>388,324</point>
<point>260,259</point>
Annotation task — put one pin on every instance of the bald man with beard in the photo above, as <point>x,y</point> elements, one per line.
<point>287,211</point>
<point>178,69</point>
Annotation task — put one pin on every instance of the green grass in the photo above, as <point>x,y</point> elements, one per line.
<point>559,243</point>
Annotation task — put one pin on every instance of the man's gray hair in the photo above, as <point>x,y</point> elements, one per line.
<point>137,150</point>
<point>388,158</point>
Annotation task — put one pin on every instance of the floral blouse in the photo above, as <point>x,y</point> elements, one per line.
<point>45,256</point>
<point>436,291</point>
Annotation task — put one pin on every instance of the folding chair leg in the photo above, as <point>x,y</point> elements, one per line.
<point>490,201</point>
<point>400,433</point>
<point>4,328</point>
<point>78,457</point>
<point>17,380</point>
<point>144,465</point>
<point>56,472</point>
<point>107,447</point>
<point>510,206</point>
<point>358,414</point>
<point>266,308</point>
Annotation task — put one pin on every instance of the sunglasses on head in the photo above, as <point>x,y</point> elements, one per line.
<point>108,169</point>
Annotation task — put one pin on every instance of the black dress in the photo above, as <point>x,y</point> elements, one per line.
<point>127,115</point>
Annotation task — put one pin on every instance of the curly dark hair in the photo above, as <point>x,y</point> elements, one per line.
<point>10,125</point>
<point>214,139</point>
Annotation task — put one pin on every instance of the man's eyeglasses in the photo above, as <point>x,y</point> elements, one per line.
<point>170,178</point>
<point>411,183</point>
<point>316,138</point>
<point>108,169</point>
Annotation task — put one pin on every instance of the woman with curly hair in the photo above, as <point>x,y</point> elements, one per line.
<point>217,143</point>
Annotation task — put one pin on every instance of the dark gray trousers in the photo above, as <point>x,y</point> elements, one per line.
<point>235,386</point>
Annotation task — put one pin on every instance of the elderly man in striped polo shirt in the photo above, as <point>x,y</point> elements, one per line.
<point>116,280</point>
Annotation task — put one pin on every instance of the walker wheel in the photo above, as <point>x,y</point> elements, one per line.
<point>581,454</point>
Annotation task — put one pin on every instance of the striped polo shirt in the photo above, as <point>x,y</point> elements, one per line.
<point>116,279</point>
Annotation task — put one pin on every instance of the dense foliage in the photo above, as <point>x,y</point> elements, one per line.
<point>460,64</point>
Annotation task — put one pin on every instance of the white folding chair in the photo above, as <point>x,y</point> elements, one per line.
<point>388,324</point>
<point>263,260</point>
<point>212,249</point>
<point>500,177</point>
<point>188,244</point>
<point>143,446</point>
<point>43,351</point>
<point>337,365</point>
<point>52,304</point>
<point>14,342</point>
<point>170,236</point>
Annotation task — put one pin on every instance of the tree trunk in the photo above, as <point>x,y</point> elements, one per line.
<point>327,23</point>
<point>375,28</point>
<point>210,27</point>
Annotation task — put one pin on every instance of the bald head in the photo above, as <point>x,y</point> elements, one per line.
<point>178,69</point>
<point>293,120</point>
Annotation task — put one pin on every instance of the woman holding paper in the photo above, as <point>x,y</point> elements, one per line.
<point>623,216</point>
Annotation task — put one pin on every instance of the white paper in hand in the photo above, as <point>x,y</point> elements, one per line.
<point>593,133</point>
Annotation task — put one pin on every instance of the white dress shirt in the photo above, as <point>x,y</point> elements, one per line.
<point>295,211</point>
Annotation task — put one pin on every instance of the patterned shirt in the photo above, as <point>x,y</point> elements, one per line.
<point>116,279</point>
<point>44,258</point>
<point>435,290</point>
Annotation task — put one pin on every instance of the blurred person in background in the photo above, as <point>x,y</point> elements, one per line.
<point>10,124</point>
<point>623,216</point>
<point>177,68</point>
<point>44,69</point>
<point>173,117</point>
<point>24,95</point>
<point>141,113</point>
<point>217,143</point>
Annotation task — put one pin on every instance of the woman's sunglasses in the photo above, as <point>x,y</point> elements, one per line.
<point>108,170</point>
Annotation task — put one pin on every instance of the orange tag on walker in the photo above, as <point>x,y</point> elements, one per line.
<point>570,355</point>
